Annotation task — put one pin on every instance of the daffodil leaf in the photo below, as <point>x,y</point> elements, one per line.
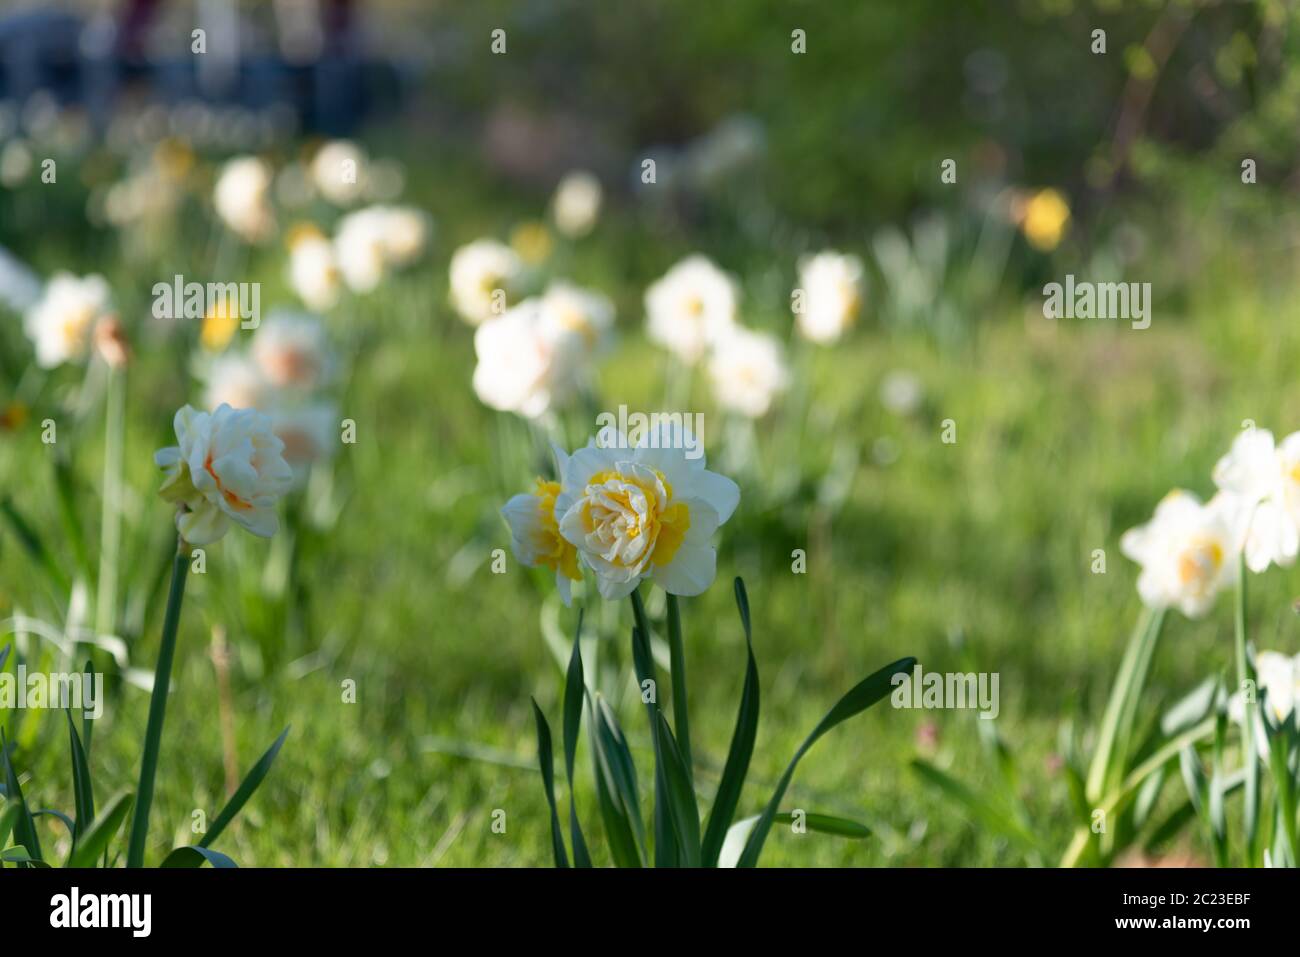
<point>83,792</point>
<point>546,761</point>
<point>245,791</point>
<point>189,856</point>
<point>24,826</point>
<point>741,750</point>
<point>574,690</point>
<point>101,831</point>
<point>739,832</point>
<point>616,787</point>
<point>862,696</point>
<point>682,809</point>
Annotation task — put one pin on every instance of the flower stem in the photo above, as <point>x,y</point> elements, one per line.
<point>158,707</point>
<point>677,662</point>
<point>111,520</point>
<point>1250,756</point>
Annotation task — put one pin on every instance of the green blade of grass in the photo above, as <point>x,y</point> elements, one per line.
<point>245,791</point>
<point>24,826</point>
<point>34,546</point>
<point>741,750</point>
<point>101,830</point>
<point>862,696</point>
<point>977,807</point>
<point>193,856</point>
<point>546,761</point>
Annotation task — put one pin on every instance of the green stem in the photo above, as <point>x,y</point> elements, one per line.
<point>111,516</point>
<point>1121,708</point>
<point>158,708</point>
<point>1249,717</point>
<point>677,662</point>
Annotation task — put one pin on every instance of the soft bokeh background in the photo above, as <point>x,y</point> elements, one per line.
<point>971,556</point>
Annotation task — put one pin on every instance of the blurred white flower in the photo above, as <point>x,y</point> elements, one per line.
<point>1267,479</point>
<point>748,371</point>
<point>831,284</point>
<point>901,392</point>
<point>309,433</point>
<point>478,270</point>
<point>534,535</point>
<point>235,380</point>
<point>361,248</point>
<point>1187,551</point>
<point>292,351</point>
<point>338,171</point>
<point>242,198</point>
<point>62,320</point>
<point>522,367</point>
<point>228,467</point>
<point>575,206</point>
<point>313,271</point>
<point>644,513</point>
<point>406,233</point>
<point>1277,686</point>
<point>566,308</point>
<point>690,307</point>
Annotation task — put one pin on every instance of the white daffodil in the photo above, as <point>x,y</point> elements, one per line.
<point>361,248</point>
<point>314,271</point>
<point>690,307</point>
<point>534,535</point>
<point>748,371</point>
<point>292,351</point>
<point>235,380</point>
<point>406,233</point>
<point>1266,477</point>
<point>63,319</point>
<point>644,512</point>
<point>523,367</point>
<point>478,272</point>
<point>1277,685</point>
<point>242,198</point>
<point>831,285</point>
<point>338,170</point>
<point>576,204</point>
<point>228,467</point>
<point>566,308</point>
<point>309,433</point>
<point>1187,551</point>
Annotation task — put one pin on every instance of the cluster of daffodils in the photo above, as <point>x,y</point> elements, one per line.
<point>539,353</point>
<point>284,374</point>
<point>368,245</point>
<point>624,514</point>
<point>692,312</point>
<point>1190,549</point>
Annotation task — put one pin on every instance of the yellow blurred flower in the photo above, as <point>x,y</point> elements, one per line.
<point>532,241</point>
<point>173,158</point>
<point>1044,219</point>
<point>219,325</point>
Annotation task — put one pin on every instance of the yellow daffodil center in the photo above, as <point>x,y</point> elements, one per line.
<point>559,555</point>
<point>630,506</point>
<point>1200,562</point>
